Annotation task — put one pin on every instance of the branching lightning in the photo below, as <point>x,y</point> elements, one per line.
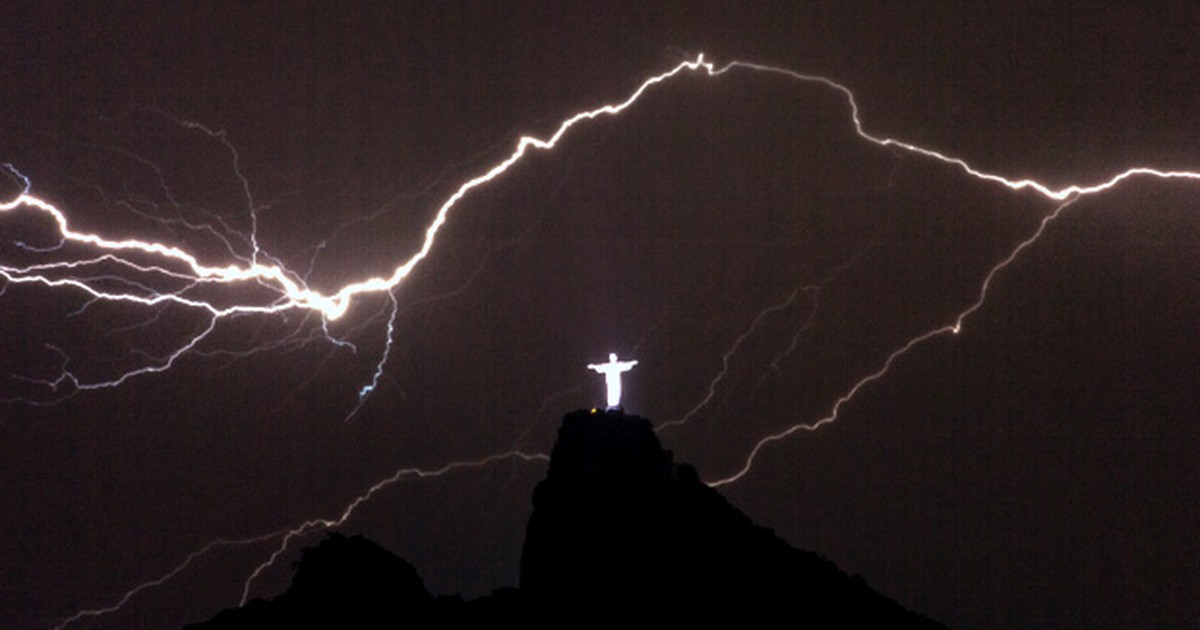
<point>158,274</point>
<point>288,291</point>
<point>325,523</point>
<point>159,581</point>
<point>286,536</point>
<point>807,289</point>
<point>952,328</point>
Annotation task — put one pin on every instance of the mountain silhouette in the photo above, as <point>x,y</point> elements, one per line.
<point>619,532</point>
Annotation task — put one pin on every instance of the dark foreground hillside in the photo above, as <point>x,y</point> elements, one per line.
<point>618,532</point>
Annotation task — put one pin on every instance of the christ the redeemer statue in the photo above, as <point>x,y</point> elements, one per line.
<point>612,377</point>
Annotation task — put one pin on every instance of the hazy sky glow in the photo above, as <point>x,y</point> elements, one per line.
<point>775,254</point>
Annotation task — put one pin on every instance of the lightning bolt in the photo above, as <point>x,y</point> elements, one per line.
<point>807,289</point>
<point>159,581</point>
<point>287,536</point>
<point>288,291</point>
<point>952,328</point>
<point>279,290</point>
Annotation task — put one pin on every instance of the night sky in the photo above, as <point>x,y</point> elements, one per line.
<point>1040,469</point>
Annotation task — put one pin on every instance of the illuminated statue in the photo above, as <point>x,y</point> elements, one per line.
<point>612,377</point>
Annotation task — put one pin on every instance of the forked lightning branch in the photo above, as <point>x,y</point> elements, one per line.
<point>162,274</point>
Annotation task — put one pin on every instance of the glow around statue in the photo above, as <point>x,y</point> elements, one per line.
<point>612,377</point>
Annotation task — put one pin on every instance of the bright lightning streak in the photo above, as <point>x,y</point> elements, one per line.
<point>288,535</point>
<point>952,328</point>
<point>297,296</point>
<point>1055,194</point>
<point>293,292</point>
<point>1066,195</point>
<point>290,291</point>
<point>322,523</point>
<point>159,581</point>
<point>387,350</point>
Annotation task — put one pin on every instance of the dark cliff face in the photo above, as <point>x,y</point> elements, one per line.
<point>614,516</point>
<point>618,531</point>
<point>616,520</point>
